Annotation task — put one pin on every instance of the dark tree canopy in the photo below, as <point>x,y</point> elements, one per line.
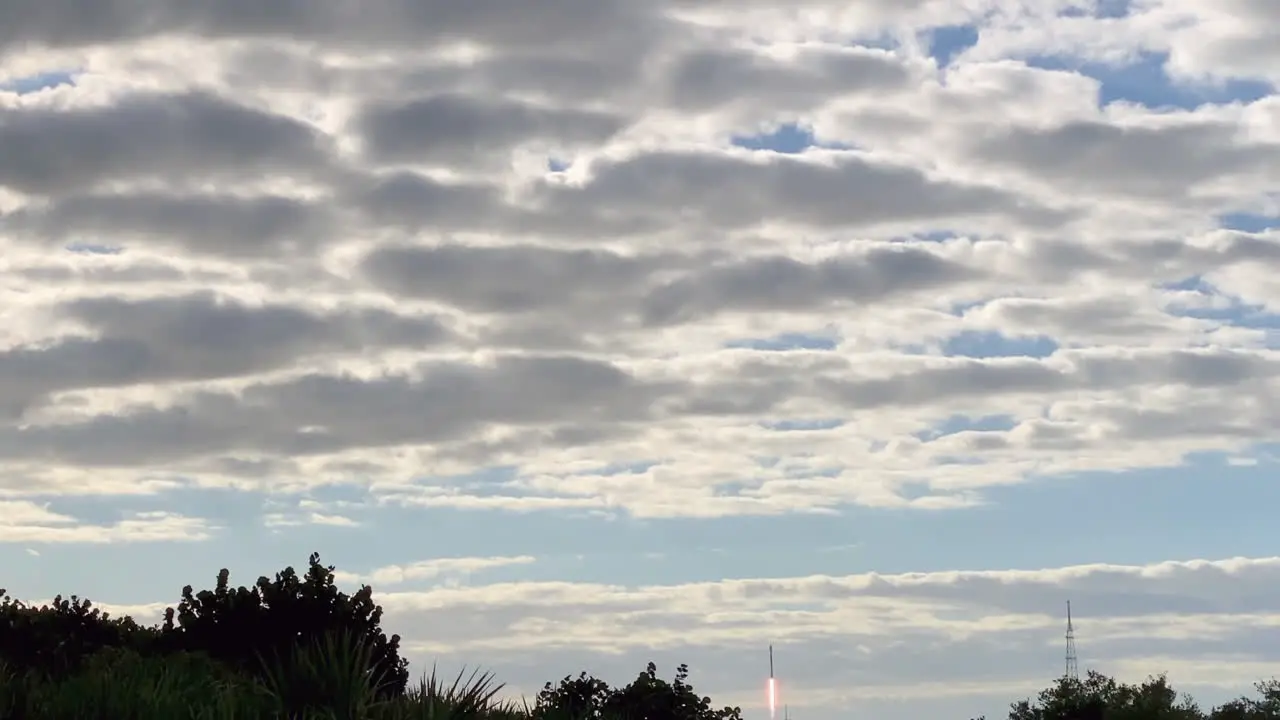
<point>648,697</point>
<point>1098,697</point>
<point>54,640</point>
<point>247,626</point>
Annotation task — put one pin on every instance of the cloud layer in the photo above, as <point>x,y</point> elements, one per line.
<point>669,261</point>
<point>871,641</point>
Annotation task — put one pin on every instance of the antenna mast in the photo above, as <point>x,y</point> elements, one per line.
<point>1073,672</point>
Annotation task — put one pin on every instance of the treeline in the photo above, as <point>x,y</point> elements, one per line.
<point>1098,697</point>
<point>294,648</point>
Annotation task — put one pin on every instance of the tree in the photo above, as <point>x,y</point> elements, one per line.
<point>1265,707</point>
<point>580,698</point>
<point>1098,697</point>
<point>648,697</point>
<point>55,640</point>
<point>250,628</point>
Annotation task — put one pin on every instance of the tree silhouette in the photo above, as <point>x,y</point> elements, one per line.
<point>648,697</point>
<point>55,640</point>
<point>1098,697</point>
<point>248,627</point>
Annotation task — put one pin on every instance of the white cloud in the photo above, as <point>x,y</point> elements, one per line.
<point>872,636</point>
<point>26,522</point>
<point>971,637</point>
<point>448,568</point>
<point>975,638</point>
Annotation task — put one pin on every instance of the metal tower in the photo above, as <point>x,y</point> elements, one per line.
<point>1073,672</point>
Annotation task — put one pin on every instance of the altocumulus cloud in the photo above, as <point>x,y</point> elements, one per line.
<point>542,317</point>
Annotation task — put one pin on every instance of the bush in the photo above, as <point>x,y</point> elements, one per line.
<point>122,684</point>
<point>323,680</point>
<point>1099,697</point>
<point>246,626</point>
<point>648,697</point>
<point>54,640</point>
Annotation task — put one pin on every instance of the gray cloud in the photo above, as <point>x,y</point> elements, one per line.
<point>784,285</point>
<point>176,137</point>
<point>708,79</point>
<point>1085,370</point>
<point>600,290</point>
<point>1159,162</point>
<point>194,337</point>
<point>321,414</point>
<point>454,129</point>
<point>1109,319</point>
<point>733,192</point>
<point>447,401</point>
<point>69,23</point>
<point>208,224</point>
<point>523,280</point>
<point>413,202</point>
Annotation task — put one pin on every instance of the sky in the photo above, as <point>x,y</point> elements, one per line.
<point>595,332</point>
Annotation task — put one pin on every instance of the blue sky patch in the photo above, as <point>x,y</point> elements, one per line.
<point>788,138</point>
<point>975,344</point>
<point>785,342</point>
<point>635,468</point>
<point>1100,9</point>
<point>1249,222</point>
<point>94,249</point>
<point>948,41</point>
<point>961,423</point>
<point>1145,82</point>
<point>38,82</point>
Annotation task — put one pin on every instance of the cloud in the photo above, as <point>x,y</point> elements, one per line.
<point>868,634</point>
<point>449,568</point>
<point>193,337</point>
<point>162,137</point>
<point>678,263</point>
<point>64,23</point>
<point>711,79</point>
<point>872,635</point>
<point>850,638</point>
<point>739,190</point>
<point>460,130</point>
<point>1164,160</point>
<point>27,523</point>
<point>234,226</point>
<point>1237,40</point>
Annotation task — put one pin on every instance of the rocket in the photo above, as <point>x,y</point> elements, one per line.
<point>770,662</point>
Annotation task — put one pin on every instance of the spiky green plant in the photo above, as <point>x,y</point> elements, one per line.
<point>333,678</point>
<point>327,677</point>
<point>433,699</point>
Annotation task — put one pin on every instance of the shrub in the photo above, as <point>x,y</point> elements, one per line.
<point>122,684</point>
<point>648,697</point>
<point>244,626</point>
<point>54,640</point>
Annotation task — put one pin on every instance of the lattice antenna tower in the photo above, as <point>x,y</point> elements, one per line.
<point>1073,671</point>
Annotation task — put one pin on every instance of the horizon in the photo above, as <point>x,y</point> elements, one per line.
<point>592,333</point>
